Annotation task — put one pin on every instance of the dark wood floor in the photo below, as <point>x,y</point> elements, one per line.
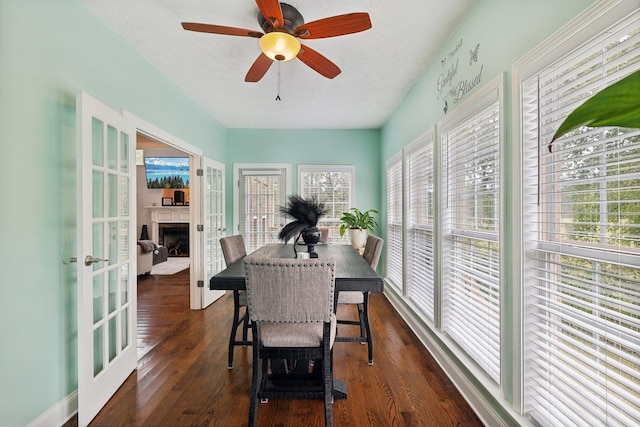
<point>182,379</point>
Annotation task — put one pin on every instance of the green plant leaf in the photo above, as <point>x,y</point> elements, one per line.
<point>615,105</point>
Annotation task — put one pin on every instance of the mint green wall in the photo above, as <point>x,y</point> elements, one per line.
<point>50,50</point>
<point>505,30</point>
<point>347,147</point>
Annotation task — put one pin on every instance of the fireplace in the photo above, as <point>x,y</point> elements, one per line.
<point>175,237</point>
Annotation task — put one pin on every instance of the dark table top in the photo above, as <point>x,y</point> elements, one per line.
<point>353,273</point>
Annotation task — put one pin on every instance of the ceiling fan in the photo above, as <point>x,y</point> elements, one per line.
<point>283,25</point>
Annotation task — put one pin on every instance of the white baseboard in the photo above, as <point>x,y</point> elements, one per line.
<point>480,400</point>
<point>59,413</point>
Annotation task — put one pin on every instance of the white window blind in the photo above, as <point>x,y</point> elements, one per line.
<point>394,222</point>
<point>334,186</point>
<point>471,261</point>
<point>420,221</point>
<point>582,219</point>
<point>262,192</point>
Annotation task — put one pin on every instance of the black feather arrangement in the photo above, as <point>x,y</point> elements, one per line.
<point>305,212</point>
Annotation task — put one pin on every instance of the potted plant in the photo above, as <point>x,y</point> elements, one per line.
<point>615,105</point>
<point>306,214</point>
<point>358,223</point>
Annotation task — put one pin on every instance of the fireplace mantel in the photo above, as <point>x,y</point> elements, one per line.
<point>167,214</point>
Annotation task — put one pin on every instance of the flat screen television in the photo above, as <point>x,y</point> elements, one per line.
<point>167,172</point>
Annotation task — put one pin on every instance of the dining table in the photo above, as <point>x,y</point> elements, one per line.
<point>353,273</point>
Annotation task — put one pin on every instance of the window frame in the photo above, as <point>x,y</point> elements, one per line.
<point>490,93</point>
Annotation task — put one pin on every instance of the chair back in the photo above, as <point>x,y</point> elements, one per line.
<point>233,248</point>
<point>372,250</point>
<point>290,290</point>
<point>324,234</point>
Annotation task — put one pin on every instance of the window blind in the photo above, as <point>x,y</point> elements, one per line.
<point>420,222</point>
<point>582,220</point>
<point>394,222</point>
<point>471,279</point>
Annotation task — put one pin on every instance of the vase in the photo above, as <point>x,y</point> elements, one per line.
<point>311,235</point>
<point>358,237</point>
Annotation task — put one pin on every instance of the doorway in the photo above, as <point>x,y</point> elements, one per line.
<point>163,214</point>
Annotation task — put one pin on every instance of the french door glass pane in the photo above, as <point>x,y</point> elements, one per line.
<point>98,194</point>
<point>97,140</point>
<point>112,147</point>
<point>98,350</point>
<point>98,298</point>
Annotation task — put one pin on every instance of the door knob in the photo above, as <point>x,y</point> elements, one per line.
<point>88,260</point>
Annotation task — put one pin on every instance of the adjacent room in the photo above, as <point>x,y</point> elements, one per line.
<point>364,213</point>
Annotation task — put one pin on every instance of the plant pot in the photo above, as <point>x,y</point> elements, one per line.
<point>358,237</point>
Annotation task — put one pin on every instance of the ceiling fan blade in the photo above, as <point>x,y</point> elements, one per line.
<point>258,69</point>
<point>272,12</point>
<point>220,29</point>
<point>334,26</point>
<point>318,62</point>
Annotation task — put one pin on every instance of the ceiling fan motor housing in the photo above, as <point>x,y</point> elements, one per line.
<point>292,20</point>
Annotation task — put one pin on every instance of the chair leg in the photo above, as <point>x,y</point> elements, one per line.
<point>327,376</point>
<point>255,387</point>
<point>361,319</point>
<point>365,315</point>
<point>245,324</point>
<point>234,327</point>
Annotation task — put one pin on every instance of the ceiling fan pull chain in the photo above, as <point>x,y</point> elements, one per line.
<point>278,95</point>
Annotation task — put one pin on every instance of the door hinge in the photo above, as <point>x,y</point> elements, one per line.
<point>199,172</point>
<point>200,227</point>
<point>201,283</point>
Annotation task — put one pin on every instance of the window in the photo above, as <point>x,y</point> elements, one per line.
<point>471,282</point>
<point>334,186</point>
<point>394,222</point>
<point>582,262</point>
<point>420,224</point>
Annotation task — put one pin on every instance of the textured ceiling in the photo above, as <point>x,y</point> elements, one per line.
<point>378,66</point>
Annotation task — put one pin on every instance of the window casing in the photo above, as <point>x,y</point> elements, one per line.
<point>581,221</point>
<point>334,186</point>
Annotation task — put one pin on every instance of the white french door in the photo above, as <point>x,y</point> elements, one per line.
<point>214,225</point>
<point>262,190</point>
<point>106,254</point>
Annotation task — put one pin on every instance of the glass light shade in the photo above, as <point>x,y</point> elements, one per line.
<point>279,46</point>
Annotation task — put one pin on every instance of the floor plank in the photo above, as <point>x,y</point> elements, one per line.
<point>182,379</point>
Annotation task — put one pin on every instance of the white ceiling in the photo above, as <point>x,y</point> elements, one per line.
<point>378,66</point>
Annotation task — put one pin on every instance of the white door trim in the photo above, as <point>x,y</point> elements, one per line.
<point>195,158</point>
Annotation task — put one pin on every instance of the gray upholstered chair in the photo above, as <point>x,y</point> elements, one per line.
<point>233,249</point>
<point>291,307</point>
<point>372,251</point>
<point>324,234</point>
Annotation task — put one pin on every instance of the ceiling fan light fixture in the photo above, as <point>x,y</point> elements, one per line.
<point>279,46</point>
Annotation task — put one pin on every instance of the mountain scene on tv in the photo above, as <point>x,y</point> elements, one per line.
<point>167,172</point>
